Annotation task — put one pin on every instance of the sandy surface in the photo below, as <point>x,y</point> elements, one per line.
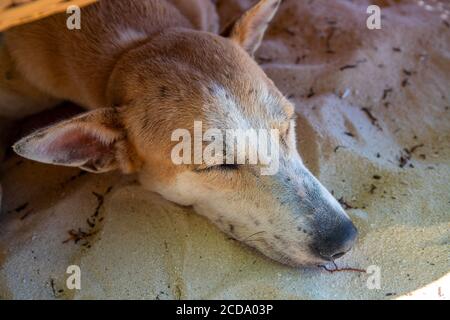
<point>373,124</point>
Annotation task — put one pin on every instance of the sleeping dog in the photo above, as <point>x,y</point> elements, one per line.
<point>145,68</point>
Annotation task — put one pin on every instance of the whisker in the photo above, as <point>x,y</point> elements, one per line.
<point>246,239</point>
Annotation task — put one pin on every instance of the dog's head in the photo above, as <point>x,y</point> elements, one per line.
<point>184,78</point>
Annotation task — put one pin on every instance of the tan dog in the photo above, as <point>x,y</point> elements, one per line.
<point>149,67</point>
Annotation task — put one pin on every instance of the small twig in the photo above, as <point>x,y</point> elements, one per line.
<point>407,154</point>
<point>386,93</point>
<point>78,235</point>
<point>52,285</point>
<point>371,117</point>
<point>345,204</point>
<point>339,147</point>
<point>337,269</point>
<point>348,66</point>
<point>311,93</point>
<point>353,66</point>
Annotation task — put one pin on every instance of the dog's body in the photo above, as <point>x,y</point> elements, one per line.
<point>148,67</point>
<point>76,66</point>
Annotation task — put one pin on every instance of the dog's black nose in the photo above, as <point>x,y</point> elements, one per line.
<point>338,241</point>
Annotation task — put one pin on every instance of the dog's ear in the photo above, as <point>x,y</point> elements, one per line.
<point>94,141</point>
<point>249,30</point>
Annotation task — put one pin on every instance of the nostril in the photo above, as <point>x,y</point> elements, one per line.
<point>337,255</point>
<point>333,256</point>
